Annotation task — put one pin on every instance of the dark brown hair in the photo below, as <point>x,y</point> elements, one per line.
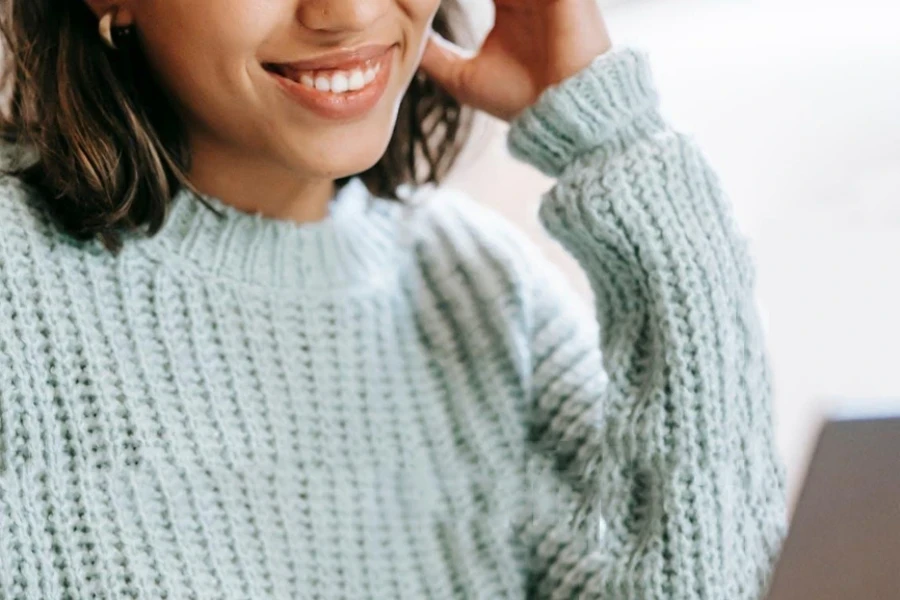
<point>109,151</point>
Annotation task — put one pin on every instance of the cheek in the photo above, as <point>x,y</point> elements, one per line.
<point>420,8</point>
<point>201,48</point>
<point>421,13</point>
<point>418,15</point>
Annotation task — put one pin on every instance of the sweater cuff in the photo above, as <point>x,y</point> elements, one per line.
<point>612,99</point>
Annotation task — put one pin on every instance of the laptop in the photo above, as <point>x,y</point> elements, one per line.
<point>843,542</point>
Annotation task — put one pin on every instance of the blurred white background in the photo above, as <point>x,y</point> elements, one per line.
<point>796,104</point>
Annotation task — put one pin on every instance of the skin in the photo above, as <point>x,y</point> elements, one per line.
<point>257,151</point>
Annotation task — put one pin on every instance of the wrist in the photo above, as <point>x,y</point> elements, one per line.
<point>614,98</point>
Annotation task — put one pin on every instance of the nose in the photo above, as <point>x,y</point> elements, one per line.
<point>340,16</point>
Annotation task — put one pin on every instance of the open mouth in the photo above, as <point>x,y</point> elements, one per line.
<point>343,85</point>
<point>337,81</point>
<point>351,76</point>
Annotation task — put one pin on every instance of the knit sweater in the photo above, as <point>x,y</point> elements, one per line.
<point>402,400</point>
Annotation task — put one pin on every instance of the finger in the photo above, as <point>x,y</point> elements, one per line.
<point>447,64</point>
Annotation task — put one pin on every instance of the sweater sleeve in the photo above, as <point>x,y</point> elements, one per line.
<point>658,415</point>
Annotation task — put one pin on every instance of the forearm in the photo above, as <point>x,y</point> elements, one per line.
<point>689,482</point>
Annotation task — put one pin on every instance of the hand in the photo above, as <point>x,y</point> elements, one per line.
<point>534,44</point>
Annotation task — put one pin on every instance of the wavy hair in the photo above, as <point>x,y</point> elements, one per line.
<point>109,150</point>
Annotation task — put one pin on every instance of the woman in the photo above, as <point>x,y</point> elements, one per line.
<point>248,349</point>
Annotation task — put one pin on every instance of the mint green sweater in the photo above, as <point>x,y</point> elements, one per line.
<point>400,400</point>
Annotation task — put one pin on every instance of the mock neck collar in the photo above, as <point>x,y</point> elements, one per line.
<point>358,241</point>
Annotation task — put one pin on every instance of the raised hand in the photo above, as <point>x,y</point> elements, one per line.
<point>533,45</point>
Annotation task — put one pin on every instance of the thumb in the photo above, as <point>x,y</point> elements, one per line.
<point>448,65</point>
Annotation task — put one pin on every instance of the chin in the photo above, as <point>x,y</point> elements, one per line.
<point>340,152</point>
<point>336,164</point>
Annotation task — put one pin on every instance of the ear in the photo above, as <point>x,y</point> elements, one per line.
<point>124,11</point>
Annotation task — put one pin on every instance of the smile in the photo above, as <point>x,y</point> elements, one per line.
<point>342,85</point>
<point>335,81</point>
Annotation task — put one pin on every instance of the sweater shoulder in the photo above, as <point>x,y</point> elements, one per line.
<point>23,213</point>
<point>458,231</point>
<point>30,242</point>
<point>462,235</point>
<point>24,237</point>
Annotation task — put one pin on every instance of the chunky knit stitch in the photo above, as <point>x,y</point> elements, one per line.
<point>400,401</point>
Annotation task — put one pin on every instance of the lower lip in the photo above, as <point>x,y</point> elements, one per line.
<point>349,105</point>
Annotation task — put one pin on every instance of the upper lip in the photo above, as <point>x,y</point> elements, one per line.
<point>339,59</point>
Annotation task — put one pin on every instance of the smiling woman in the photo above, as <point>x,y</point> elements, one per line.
<point>120,131</point>
<point>294,385</point>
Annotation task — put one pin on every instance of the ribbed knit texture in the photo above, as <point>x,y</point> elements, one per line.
<point>400,401</point>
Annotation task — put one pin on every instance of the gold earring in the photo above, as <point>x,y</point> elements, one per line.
<point>106,23</point>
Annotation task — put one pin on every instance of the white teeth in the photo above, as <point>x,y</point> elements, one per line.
<point>357,80</point>
<point>323,84</point>
<point>339,82</point>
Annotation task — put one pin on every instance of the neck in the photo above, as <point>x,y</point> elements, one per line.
<point>252,185</point>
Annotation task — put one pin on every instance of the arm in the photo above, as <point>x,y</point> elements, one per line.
<point>670,448</point>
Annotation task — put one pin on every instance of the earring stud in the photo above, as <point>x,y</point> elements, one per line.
<point>108,32</point>
<point>106,23</point>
